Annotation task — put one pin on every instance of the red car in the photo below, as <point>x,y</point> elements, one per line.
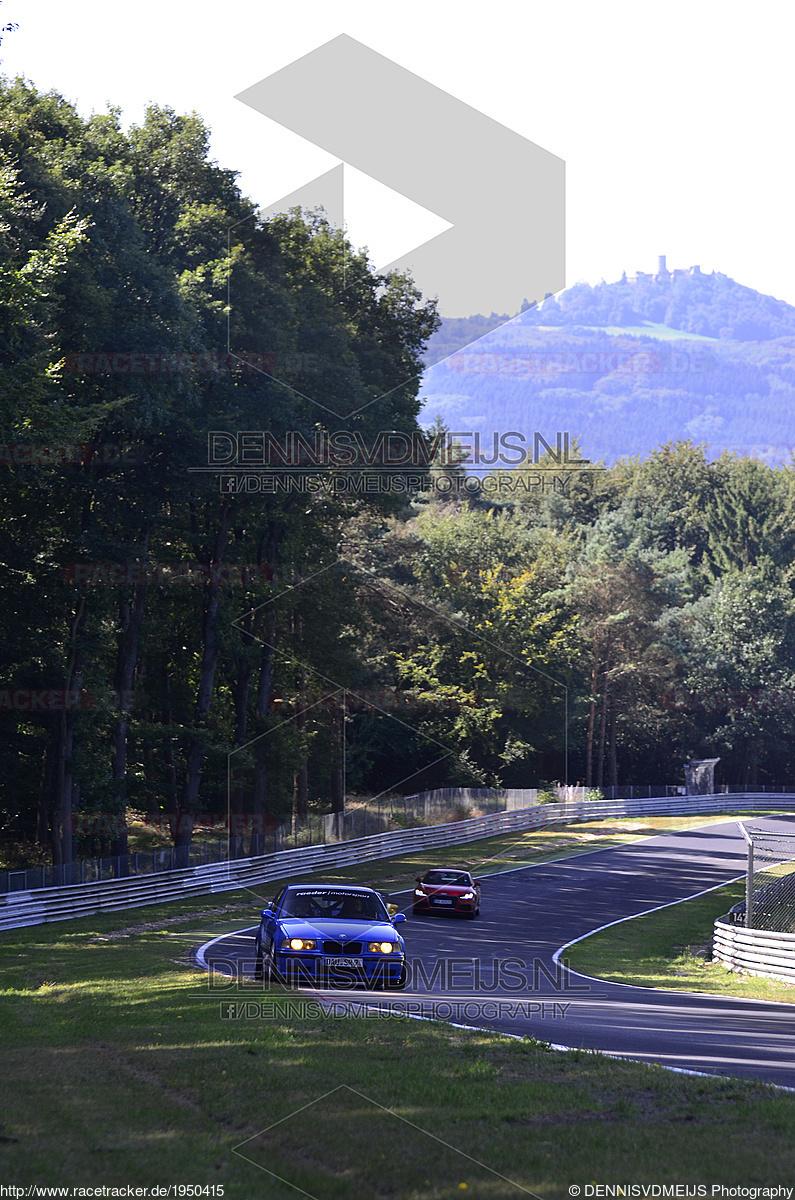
<point>447,889</point>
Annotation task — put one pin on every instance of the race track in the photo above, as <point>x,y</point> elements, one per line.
<point>499,971</point>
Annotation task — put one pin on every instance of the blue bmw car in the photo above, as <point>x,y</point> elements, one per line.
<point>321,935</point>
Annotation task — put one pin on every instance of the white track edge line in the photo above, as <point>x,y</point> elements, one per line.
<point>666,991</point>
<point>199,954</point>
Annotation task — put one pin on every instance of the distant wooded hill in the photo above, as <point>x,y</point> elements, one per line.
<point>627,366</point>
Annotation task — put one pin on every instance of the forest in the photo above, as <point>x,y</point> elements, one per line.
<point>174,645</point>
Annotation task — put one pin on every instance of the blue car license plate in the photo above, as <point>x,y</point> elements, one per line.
<point>343,962</point>
<point>443,902</point>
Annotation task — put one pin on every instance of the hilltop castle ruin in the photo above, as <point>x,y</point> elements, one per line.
<point>663,274</point>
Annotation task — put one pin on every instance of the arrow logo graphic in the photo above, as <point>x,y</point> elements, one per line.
<point>502,194</point>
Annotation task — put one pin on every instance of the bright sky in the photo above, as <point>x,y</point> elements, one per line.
<point>675,120</point>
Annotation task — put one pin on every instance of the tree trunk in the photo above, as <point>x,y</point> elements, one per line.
<point>591,717</point>
<point>237,772</point>
<point>259,799</point>
<point>62,808</point>
<point>301,778</point>
<point>131,621</point>
<point>43,835</point>
<point>198,745</point>
<point>613,748</point>
<point>169,757</point>
<point>603,720</point>
<point>337,761</point>
<point>150,774</point>
<point>62,846</point>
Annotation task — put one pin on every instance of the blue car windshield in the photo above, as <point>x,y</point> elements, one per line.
<point>335,904</point>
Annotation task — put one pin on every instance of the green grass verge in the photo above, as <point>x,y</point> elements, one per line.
<point>670,949</point>
<point>117,1069</point>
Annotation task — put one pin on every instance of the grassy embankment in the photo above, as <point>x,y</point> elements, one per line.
<point>671,949</point>
<point>118,1069</point>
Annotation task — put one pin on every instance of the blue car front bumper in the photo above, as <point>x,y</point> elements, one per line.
<point>313,969</point>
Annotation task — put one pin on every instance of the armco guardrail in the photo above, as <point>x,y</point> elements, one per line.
<point>62,903</point>
<point>757,951</point>
<point>438,807</point>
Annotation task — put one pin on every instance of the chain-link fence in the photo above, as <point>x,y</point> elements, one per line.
<point>114,866</point>
<point>769,882</point>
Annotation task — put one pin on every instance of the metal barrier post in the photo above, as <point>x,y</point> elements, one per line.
<point>749,878</point>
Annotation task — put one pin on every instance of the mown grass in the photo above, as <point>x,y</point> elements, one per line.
<point>671,949</point>
<point>118,1069</point>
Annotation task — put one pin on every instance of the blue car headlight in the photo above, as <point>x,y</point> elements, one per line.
<point>299,944</point>
<point>383,947</point>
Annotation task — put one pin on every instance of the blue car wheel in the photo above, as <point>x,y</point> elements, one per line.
<point>399,983</point>
<point>264,966</point>
<point>274,974</point>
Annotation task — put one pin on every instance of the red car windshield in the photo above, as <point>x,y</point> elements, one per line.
<point>447,879</point>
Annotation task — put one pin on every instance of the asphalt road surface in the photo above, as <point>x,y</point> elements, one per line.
<point>500,972</point>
